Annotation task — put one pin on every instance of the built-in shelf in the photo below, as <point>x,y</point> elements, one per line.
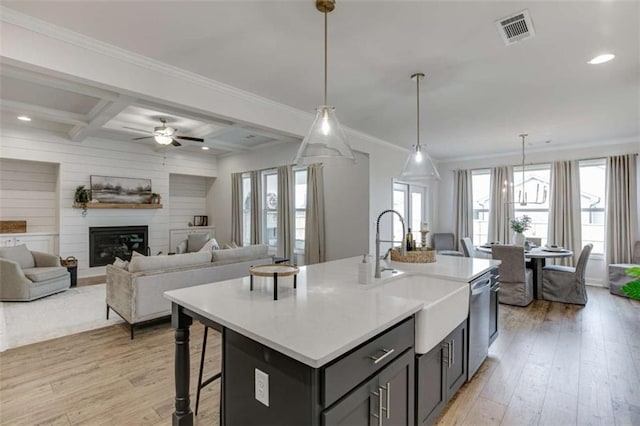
<point>118,206</point>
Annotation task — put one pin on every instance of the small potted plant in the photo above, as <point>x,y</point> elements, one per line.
<point>81,198</point>
<point>519,225</point>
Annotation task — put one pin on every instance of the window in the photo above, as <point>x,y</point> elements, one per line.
<point>300,203</point>
<point>410,202</point>
<point>592,203</point>
<point>536,181</point>
<point>270,209</point>
<point>246,209</point>
<point>481,194</point>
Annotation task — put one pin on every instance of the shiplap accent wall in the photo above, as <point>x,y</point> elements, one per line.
<point>28,191</point>
<point>188,198</point>
<point>79,160</point>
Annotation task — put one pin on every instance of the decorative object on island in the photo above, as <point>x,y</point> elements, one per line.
<point>325,142</point>
<point>274,270</point>
<point>409,240</point>
<point>419,166</point>
<point>424,230</point>
<point>522,194</point>
<point>81,198</point>
<point>519,225</point>
<point>418,255</point>
<point>201,221</point>
<point>121,190</point>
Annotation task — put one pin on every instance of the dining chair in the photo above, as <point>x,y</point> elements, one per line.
<point>444,243</point>
<point>535,240</point>
<point>618,272</point>
<point>516,281</point>
<point>467,247</point>
<point>566,284</point>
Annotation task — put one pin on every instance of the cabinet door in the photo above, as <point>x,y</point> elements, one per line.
<point>360,407</point>
<point>430,389</point>
<point>493,313</point>
<point>397,386</point>
<point>456,368</point>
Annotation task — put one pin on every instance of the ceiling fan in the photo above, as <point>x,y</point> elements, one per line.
<point>165,135</point>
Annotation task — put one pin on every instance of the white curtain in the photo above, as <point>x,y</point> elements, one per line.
<point>564,209</point>
<point>236,208</point>
<point>314,233</point>
<point>501,205</point>
<point>285,211</point>
<point>463,213</point>
<point>256,207</point>
<point>622,208</point>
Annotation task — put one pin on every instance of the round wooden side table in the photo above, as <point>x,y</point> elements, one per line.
<point>275,270</point>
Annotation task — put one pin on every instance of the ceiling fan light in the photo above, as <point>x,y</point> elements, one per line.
<point>163,140</point>
<point>325,142</point>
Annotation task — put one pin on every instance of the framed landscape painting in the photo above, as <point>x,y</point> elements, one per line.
<point>110,189</point>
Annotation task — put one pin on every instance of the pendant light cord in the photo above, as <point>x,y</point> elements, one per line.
<point>325,58</point>
<point>418,111</point>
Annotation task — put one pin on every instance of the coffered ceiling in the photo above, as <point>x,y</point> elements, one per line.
<point>479,94</point>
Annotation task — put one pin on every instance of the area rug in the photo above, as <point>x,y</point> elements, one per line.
<point>73,311</point>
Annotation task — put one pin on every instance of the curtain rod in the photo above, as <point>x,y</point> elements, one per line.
<point>537,164</point>
<point>266,168</point>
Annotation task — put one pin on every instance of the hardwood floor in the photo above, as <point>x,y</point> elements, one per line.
<point>553,364</point>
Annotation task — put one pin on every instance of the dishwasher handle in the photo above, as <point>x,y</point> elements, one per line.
<point>480,286</point>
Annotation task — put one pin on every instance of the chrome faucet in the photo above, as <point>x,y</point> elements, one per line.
<point>378,240</point>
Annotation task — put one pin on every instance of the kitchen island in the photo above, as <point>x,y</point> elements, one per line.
<point>323,350</point>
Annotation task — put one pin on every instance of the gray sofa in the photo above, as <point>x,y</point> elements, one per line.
<point>137,293</point>
<point>28,275</point>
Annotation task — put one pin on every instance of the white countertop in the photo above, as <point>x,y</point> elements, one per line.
<point>454,268</point>
<point>327,315</point>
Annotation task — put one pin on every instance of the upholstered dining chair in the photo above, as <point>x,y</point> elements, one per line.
<point>467,247</point>
<point>444,243</point>
<point>516,281</point>
<point>618,272</point>
<point>565,283</point>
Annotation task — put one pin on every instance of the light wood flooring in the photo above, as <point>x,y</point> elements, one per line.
<point>553,364</point>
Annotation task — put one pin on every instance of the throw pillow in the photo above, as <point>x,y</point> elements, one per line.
<point>233,244</point>
<point>210,245</point>
<point>135,253</point>
<point>122,264</point>
<point>196,241</point>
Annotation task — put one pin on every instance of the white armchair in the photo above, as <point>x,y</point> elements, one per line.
<point>27,275</point>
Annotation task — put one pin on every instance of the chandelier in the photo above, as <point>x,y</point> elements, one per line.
<point>523,198</point>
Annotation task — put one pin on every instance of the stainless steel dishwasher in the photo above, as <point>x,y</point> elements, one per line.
<point>479,322</point>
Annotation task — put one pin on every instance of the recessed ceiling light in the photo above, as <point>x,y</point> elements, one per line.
<point>24,118</point>
<point>601,59</point>
<point>205,148</point>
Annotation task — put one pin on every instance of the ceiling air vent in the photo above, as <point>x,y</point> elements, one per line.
<point>516,28</point>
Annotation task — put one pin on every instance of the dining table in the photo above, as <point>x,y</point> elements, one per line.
<point>536,257</point>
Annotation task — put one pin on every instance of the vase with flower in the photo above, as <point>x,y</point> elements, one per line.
<point>519,225</point>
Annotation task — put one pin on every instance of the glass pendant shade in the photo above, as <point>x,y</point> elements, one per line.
<point>419,167</point>
<point>163,139</point>
<point>325,143</point>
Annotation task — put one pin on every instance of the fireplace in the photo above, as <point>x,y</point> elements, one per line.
<point>108,242</point>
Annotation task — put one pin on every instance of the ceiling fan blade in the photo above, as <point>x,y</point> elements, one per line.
<point>176,143</point>
<point>189,138</point>
<point>144,137</point>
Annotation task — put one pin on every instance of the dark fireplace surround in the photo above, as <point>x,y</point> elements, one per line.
<point>108,242</point>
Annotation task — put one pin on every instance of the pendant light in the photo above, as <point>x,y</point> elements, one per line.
<point>326,142</point>
<point>419,166</point>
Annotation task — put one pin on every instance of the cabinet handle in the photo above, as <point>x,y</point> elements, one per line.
<point>453,351</point>
<point>388,407</point>
<point>387,352</point>
<point>448,358</point>
<point>379,415</point>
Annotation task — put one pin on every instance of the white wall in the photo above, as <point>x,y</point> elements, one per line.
<point>78,161</point>
<point>188,196</point>
<point>596,268</point>
<point>346,197</point>
<point>28,191</point>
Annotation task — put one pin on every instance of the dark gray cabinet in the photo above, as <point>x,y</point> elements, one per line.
<point>440,373</point>
<point>376,377</point>
<point>493,306</point>
<point>385,399</point>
